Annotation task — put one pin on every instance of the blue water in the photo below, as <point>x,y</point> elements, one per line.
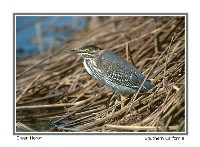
<point>26,43</point>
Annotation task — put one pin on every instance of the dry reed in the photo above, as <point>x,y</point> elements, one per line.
<point>54,86</point>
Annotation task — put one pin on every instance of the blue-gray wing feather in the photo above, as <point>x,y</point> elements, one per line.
<point>120,71</point>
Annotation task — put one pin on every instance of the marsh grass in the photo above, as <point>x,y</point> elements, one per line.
<point>54,86</point>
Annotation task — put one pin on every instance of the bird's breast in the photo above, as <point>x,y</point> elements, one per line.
<point>91,67</point>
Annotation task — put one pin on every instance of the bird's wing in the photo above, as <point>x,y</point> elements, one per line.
<point>121,72</point>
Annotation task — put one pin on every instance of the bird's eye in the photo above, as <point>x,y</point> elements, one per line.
<point>87,50</point>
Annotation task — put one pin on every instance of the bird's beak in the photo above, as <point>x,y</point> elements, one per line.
<point>72,51</point>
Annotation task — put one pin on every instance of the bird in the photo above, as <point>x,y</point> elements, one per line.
<point>112,70</point>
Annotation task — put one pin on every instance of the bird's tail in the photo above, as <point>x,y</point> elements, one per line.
<point>148,85</point>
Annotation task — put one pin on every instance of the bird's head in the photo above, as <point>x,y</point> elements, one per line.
<point>88,51</point>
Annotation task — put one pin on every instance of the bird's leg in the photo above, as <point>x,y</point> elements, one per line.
<point>113,98</point>
<point>110,100</point>
<point>122,99</point>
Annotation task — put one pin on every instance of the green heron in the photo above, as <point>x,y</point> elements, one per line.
<point>112,70</point>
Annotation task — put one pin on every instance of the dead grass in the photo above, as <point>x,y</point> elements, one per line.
<point>55,86</point>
